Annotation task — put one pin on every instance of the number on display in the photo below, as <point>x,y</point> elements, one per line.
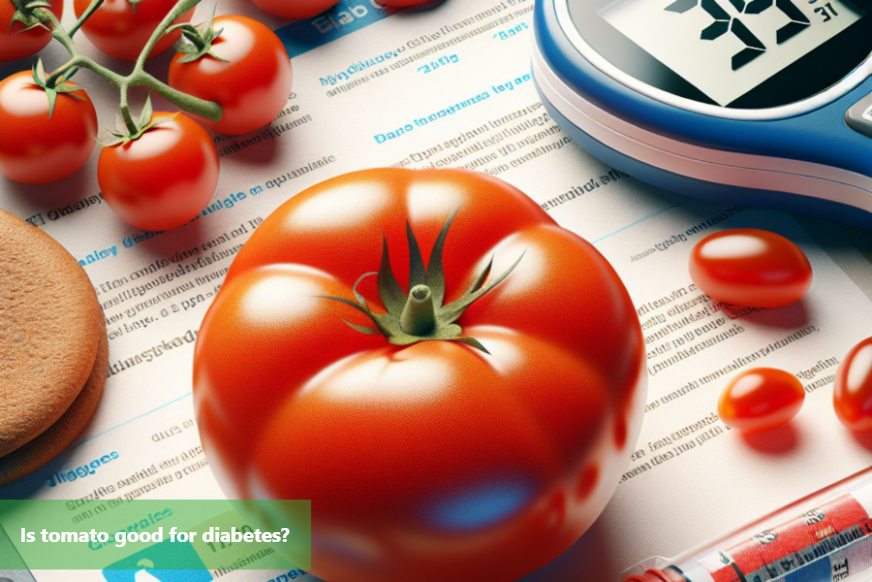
<point>754,47</point>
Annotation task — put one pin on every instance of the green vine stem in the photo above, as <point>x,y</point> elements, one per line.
<point>92,7</point>
<point>138,77</point>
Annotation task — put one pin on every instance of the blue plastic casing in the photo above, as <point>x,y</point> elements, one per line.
<point>820,136</point>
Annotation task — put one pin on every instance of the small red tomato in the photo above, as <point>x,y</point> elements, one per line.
<point>36,148</point>
<point>852,393</point>
<point>252,87</point>
<point>164,178</point>
<point>750,267</point>
<point>295,9</point>
<point>121,29</point>
<point>15,44</point>
<point>761,399</point>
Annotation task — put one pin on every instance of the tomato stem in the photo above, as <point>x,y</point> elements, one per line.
<point>129,122</point>
<point>419,316</point>
<point>92,7</point>
<point>138,77</point>
<point>180,8</point>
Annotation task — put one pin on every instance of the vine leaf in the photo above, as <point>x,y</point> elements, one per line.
<point>435,271</point>
<point>417,273</point>
<point>147,112</point>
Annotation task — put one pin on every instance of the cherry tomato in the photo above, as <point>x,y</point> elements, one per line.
<point>852,393</point>
<point>295,9</point>
<point>34,148</point>
<point>750,267</point>
<point>164,178</point>
<point>431,458</point>
<point>121,30</point>
<point>252,87</point>
<point>761,399</point>
<point>15,44</point>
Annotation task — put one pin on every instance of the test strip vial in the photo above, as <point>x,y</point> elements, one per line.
<point>824,543</point>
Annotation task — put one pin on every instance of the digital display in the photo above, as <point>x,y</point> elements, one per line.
<point>726,48</point>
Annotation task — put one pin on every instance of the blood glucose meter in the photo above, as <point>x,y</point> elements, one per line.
<point>752,102</point>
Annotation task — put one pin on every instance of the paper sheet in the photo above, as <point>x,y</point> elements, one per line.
<point>450,87</point>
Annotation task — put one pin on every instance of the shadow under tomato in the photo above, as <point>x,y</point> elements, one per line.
<point>778,441</point>
<point>791,316</point>
<point>45,197</point>
<point>864,439</point>
<point>257,147</point>
<point>591,556</point>
<point>170,242</point>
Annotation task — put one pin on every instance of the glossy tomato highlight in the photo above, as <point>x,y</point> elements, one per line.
<point>252,86</point>
<point>162,179</point>
<point>761,399</point>
<point>121,30</point>
<point>15,43</point>
<point>36,148</point>
<point>473,443</point>
<point>852,393</point>
<point>750,267</point>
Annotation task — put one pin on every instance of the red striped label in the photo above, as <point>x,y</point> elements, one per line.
<point>776,552</point>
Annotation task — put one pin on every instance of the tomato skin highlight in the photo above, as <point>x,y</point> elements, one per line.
<point>761,399</point>
<point>122,32</point>
<point>433,459</point>
<point>295,9</point>
<point>163,179</point>
<point>852,393</point>
<point>252,88</point>
<point>15,44</point>
<point>750,267</point>
<point>36,149</point>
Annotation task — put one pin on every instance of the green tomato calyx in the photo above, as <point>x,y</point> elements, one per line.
<point>421,316</point>
<point>61,86</point>
<point>196,41</point>
<point>25,13</point>
<point>124,134</point>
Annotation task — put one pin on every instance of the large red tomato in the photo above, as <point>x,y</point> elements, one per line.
<point>433,459</point>
<point>36,148</point>
<point>15,44</point>
<point>253,82</point>
<point>164,178</point>
<point>121,29</point>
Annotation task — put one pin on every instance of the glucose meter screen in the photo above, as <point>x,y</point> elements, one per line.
<point>726,48</point>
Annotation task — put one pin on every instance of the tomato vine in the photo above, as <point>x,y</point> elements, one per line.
<point>37,13</point>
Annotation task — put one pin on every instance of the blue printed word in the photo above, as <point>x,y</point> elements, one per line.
<point>99,256</point>
<point>443,61</point>
<point>83,471</point>
<point>507,34</point>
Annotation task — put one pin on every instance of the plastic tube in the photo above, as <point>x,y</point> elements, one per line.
<point>823,542</point>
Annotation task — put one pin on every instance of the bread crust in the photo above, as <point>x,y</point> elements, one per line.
<point>48,445</point>
<point>51,326</point>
